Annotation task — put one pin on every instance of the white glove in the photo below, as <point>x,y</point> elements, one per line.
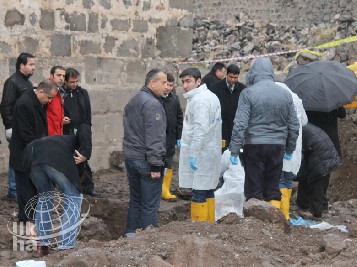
<point>8,134</point>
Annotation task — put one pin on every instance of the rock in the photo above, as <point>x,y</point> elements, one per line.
<point>236,46</point>
<point>332,244</point>
<point>352,230</point>
<point>117,160</point>
<point>231,218</point>
<point>94,228</point>
<point>346,17</point>
<point>157,261</point>
<point>85,258</point>
<point>264,211</point>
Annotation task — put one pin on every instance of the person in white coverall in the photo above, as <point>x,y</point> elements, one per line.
<point>200,154</point>
<point>291,167</point>
<point>230,197</point>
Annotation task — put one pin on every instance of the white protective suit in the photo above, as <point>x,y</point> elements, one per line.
<point>201,137</point>
<point>293,165</point>
<point>230,197</point>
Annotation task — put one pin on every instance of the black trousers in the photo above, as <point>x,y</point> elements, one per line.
<point>312,195</point>
<point>86,175</point>
<point>25,191</point>
<point>263,165</point>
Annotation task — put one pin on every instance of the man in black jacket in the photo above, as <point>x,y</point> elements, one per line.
<point>216,74</point>
<point>29,123</point>
<point>77,108</point>
<point>173,133</point>
<point>14,87</point>
<point>228,91</point>
<point>144,149</point>
<point>53,161</point>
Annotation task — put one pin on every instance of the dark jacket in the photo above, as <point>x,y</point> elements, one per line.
<point>81,107</point>
<point>265,113</point>
<point>145,129</point>
<point>327,121</point>
<point>210,79</point>
<point>29,123</point>
<point>14,87</point>
<point>58,151</point>
<point>174,122</point>
<point>229,104</point>
<point>319,154</point>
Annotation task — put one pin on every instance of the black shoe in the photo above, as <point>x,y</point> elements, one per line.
<point>92,193</point>
<point>41,251</point>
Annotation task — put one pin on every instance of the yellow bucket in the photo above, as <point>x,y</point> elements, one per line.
<point>354,102</point>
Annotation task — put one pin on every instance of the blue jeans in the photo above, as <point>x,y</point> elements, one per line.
<point>202,195</point>
<point>44,177</point>
<point>145,195</point>
<point>286,180</point>
<point>12,183</point>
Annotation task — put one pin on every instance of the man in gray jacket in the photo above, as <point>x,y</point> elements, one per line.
<point>144,149</point>
<point>267,126</point>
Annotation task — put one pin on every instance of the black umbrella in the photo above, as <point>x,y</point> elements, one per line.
<point>323,85</point>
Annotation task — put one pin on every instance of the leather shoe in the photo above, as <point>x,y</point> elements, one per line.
<point>41,251</point>
<point>92,193</point>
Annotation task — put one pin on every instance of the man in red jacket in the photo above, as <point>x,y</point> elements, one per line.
<point>55,111</point>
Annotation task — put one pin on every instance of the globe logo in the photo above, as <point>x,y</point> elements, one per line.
<point>57,219</point>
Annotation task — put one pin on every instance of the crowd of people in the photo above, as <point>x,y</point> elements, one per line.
<point>256,136</point>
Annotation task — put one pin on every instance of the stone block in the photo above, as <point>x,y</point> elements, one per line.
<point>109,44</point>
<point>87,4</point>
<point>77,21</point>
<point>29,45</point>
<point>129,49</point>
<point>103,70</point>
<point>186,21</point>
<point>12,63</point>
<point>61,45</point>
<point>332,244</point>
<point>136,71</point>
<point>4,71</point>
<point>149,48</point>
<point>33,19</point>
<point>140,26</point>
<point>115,132</point>
<point>182,4</point>
<point>172,22</point>
<point>99,101</point>
<point>120,24</point>
<point>119,96</point>
<point>4,48</point>
<point>93,22</point>
<point>87,47</point>
<point>68,2</point>
<point>103,22</point>
<point>174,41</point>
<point>146,5</point>
<point>14,17</point>
<point>107,4</point>
<point>47,21</point>
<point>155,20</point>
<point>99,122</point>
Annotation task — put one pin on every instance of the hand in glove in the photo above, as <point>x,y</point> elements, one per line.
<point>179,143</point>
<point>193,163</point>
<point>288,156</point>
<point>8,134</point>
<point>234,160</point>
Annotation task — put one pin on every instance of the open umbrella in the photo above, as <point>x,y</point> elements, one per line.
<point>323,85</point>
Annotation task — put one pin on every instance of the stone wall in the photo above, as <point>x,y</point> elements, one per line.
<point>113,43</point>
<point>282,12</point>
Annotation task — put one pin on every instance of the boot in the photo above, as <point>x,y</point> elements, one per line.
<point>166,184</point>
<point>199,211</point>
<point>285,201</point>
<point>211,209</point>
<point>275,203</point>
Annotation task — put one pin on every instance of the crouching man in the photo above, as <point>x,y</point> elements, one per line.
<point>53,161</point>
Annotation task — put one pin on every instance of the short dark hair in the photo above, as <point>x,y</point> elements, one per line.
<point>170,78</point>
<point>71,72</point>
<point>218,66</point>
<point>46,86</point>
<point>152,75</point>
<point>22,59</point>
<point>54,68</point>
<point>193,72</point>
<point>234,69</point>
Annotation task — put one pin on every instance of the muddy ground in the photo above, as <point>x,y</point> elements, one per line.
<point>178,241</point>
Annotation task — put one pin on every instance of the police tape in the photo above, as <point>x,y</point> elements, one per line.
<point>297,51</point>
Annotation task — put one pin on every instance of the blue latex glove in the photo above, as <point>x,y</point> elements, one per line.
<point>179,143</point>
<point>234,160</point>
<point>288,156</point>
<point>193,163</point>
